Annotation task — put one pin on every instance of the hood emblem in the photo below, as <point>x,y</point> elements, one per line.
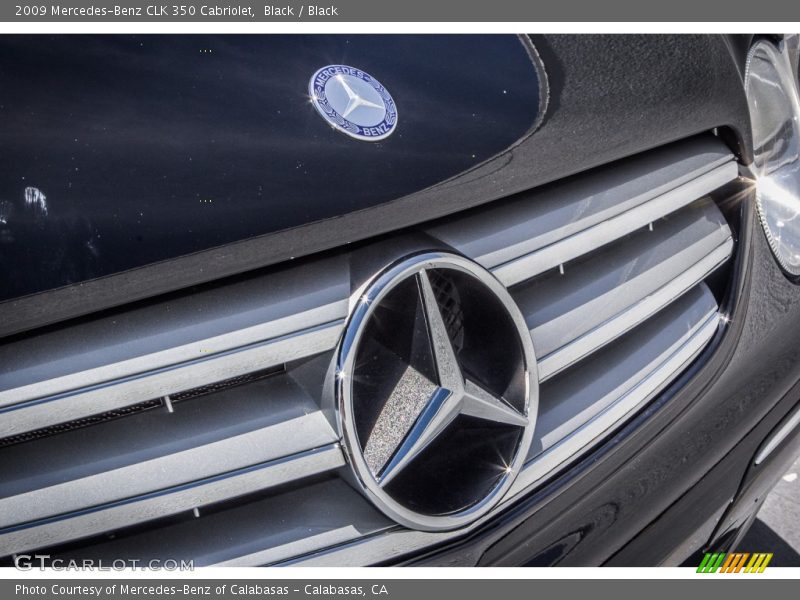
<point>437,391</point>
<point>353,102</point>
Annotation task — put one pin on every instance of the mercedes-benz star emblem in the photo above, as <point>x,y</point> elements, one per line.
<point>353,102</point>
<point>437,391</point>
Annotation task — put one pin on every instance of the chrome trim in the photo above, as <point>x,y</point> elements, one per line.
<point>540,220</point>
<point>281,518</point>
<point>268,443</point>
<point>580,440</point>
<point>638,312</point>
<point>776,438</point>
<point>458,398</point>
<point>37,414</point>
<point>570,248</point>
<point>170,501</point>
<point>289,550</point>
<point>170,333</point>
<point>381,547</point>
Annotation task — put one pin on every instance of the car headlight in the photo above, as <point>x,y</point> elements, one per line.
<point>772,95</point>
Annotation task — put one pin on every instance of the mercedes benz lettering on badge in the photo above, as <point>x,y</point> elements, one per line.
<point>437,391</point>
<point>353,102</point>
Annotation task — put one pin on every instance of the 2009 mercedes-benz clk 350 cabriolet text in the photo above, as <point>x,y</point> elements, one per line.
<point>358,300</point>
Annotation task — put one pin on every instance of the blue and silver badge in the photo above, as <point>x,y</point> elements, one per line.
<point>353,102</point>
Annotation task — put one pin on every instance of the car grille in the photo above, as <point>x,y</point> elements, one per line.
<point>196,427</point>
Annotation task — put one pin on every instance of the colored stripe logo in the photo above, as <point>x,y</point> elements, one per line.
<point>734,562</point>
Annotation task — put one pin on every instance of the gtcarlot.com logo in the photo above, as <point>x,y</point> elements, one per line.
<point>28,562</point>
<point>735,562</point>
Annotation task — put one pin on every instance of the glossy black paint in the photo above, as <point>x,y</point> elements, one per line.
<point>759,480</point>
<point>610,97</point>
<point>145,148</point>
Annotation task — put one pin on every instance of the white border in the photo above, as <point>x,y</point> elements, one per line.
<point>387,573</point>
<point>210,26</point>
<point>372,573</point>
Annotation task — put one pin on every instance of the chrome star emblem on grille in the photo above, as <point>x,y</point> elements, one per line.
<point>436,391</point>
<point>455,395</point>
<point>353,102</point>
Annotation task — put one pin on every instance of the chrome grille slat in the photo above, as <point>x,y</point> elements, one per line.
<point>591,389</point>
<point>270,443</point>
<point>272,529</point>
<point>153,434</point>
<point>545,228</point>
<point>612,229</point>
<point>538,468</point>
<point>36,414</point>
<point>574,315</point>
<point>194,327</point>
<point>167,502</point>
<point>290,550</point>
<point>636,314</point>
<point>115,492</point>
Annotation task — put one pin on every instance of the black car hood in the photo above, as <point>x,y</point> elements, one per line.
<point>472,129</point>
<point>120,151</point>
